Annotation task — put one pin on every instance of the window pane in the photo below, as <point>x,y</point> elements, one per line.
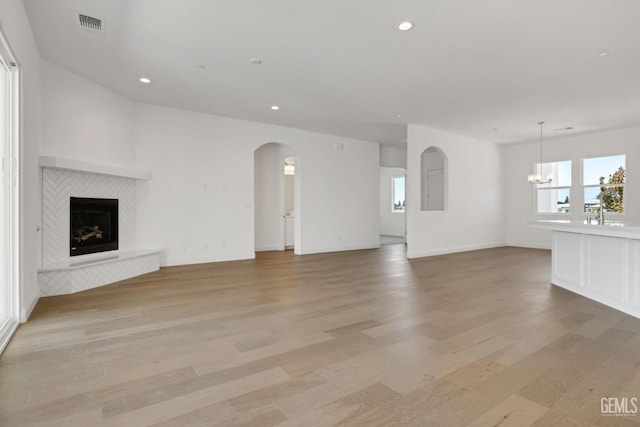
<point>398,194</point>
<point>612,199</point>
<point>559,171</point>
<point>554,200</point>
<point>611,169</point>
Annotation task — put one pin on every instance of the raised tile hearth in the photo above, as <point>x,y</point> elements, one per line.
<point>71,277</point>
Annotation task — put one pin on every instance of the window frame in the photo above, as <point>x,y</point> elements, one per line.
<point>547,187</point>
<point>585,186</point>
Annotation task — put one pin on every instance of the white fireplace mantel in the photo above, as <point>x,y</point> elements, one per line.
<point>80,166</point>
<point>59,273</point>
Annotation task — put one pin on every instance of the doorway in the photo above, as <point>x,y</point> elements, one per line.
<point>392,205</point>
<point>289,212</point>
<point>275,189</point>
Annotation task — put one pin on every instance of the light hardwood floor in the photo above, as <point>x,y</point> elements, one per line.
<point>364,338</point>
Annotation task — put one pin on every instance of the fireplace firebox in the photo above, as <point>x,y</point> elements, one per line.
<point>94,225</point>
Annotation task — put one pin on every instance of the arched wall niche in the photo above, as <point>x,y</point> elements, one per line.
<point>433,180</point>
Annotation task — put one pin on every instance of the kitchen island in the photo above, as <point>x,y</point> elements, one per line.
<point>600,262</point>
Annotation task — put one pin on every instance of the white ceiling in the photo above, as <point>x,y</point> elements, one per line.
<point>342,67</point>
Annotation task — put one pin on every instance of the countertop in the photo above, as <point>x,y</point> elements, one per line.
<point>610,228</point>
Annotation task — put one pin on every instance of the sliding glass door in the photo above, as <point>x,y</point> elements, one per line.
<point>5,288</point>
<point>8,193</point>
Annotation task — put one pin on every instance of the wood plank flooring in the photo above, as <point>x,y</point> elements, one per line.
<point>363,338</point>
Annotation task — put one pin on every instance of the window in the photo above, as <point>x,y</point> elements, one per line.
<point>397,186</point>
<point>289,166</point>
<point>554,197</point>
<point>604,178</point>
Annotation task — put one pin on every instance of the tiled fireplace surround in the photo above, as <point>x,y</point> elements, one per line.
<point>62,274</point>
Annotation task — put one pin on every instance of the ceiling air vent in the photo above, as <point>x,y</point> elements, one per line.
<point>89,23</point>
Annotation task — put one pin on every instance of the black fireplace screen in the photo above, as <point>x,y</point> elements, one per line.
<point>94,225</point>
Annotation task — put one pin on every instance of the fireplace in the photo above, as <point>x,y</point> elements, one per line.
<point>94,225</point>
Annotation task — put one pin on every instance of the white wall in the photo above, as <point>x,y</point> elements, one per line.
<point>17,28</point>
<point>476,195</point>
<point>391,223</point>
<point>269,196</point>
<point>393,157</point>
<point>202,169</point>
<point>521,157</point>
<point>85,121</point>
<point>202,187</point>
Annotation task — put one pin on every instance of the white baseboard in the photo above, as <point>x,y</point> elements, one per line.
<point>268,248</point>
<point>452,250</point>
<point>529,246</point>
<point>326,249</point>
<point>7,329</point>
<point>204,260</point>
<point>25,313</point>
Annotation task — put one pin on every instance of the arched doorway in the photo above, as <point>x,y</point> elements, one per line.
<point>275,182</point>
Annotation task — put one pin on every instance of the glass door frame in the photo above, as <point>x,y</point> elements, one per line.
<point>11,163</point>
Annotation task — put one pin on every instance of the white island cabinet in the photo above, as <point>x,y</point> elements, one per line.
<point>601,262</point>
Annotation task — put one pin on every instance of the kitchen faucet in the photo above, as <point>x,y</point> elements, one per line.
<point>614,194</point>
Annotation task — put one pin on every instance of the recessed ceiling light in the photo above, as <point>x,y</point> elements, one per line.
<point>398,115</point>
<point>405,25</point>
<point>605,53</point>
<point>256,61</point>
<point>275,107</point>
<point>202,67</point>
<point>145,80</point>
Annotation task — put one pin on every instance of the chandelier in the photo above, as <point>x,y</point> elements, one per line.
<point>536,176</point>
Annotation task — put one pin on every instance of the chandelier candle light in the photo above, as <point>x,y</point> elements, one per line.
<point>536,176</point>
